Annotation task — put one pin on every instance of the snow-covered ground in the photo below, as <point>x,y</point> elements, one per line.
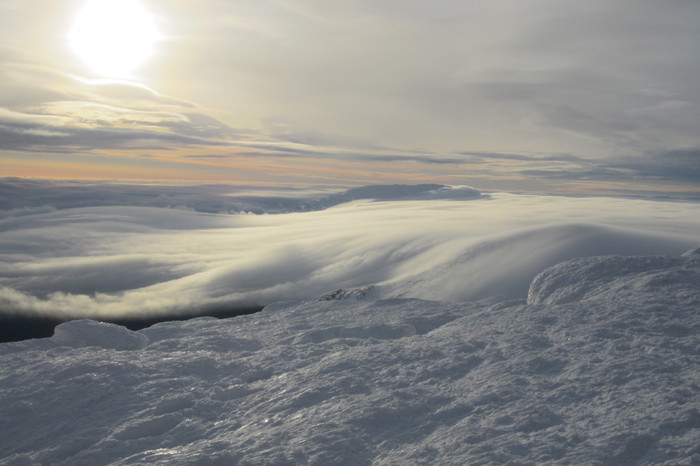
<point>599,366</point>
<point>469,329</point>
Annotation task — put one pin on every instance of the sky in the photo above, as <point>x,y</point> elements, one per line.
<point>545,95</point>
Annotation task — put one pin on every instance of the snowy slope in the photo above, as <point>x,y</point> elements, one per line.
<point>598,367</point>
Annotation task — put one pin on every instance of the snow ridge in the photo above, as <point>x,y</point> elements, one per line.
<point>611,278</point>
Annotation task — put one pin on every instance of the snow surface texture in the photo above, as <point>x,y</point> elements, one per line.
<point>600,366</point>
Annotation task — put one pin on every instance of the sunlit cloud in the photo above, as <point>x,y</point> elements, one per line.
<point>79,117</point>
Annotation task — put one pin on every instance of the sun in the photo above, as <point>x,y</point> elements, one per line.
<point>113,37</point>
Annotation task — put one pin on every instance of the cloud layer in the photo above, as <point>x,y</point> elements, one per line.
<point>143,261</point>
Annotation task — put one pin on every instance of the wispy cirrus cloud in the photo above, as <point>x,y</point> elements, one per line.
<point>679,166</point>
<point>60,113</point>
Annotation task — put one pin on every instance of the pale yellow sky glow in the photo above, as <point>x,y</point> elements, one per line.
<point>484,92</point>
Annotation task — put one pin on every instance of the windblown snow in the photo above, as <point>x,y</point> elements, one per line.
<point>599,366</point>
<point>500,330</point>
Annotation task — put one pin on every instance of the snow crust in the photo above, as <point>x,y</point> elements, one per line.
<point>90,333</point>
<point>617,278</point>
<point>599,366</point>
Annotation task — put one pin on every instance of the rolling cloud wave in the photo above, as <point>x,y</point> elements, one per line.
<point>118,261</point>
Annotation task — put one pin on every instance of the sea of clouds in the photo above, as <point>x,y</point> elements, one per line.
<point>430,242</point>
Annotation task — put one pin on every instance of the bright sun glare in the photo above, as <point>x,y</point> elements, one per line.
<point>113,36</point>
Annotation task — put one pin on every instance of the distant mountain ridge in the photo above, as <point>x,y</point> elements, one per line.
<point>395,192</point>
<point>20,196</point>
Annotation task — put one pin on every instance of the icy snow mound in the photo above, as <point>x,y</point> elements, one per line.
<point>618,278</point>
<point>611,379</point>
<point>87,333</point>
